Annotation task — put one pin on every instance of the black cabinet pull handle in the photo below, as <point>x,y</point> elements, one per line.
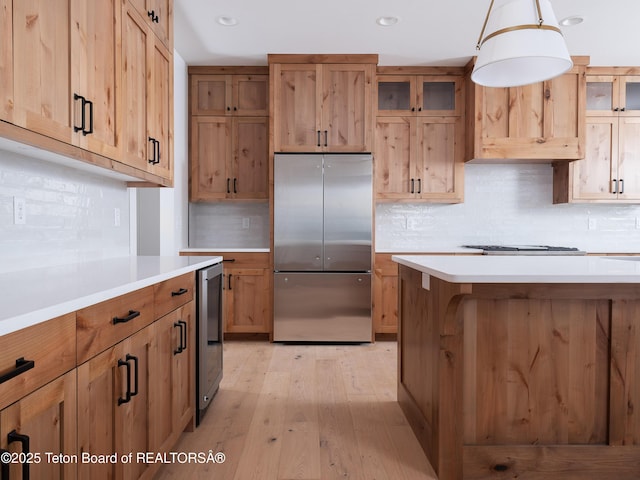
<point>230,260</point>
<point>179,349</point>
<point>318,137</point>
<point>22,366</point>
<point>153,159</point>
<point>413,109</point>
<point>621,183</point>
<point>184,341</point>
<point>419,185</point>
<point>616,109</point>
<point>132,314</point>
<point>14,436</point>
<point>158,155</point>
<point>82,109</point>
<point>230,281</point>
<point>127,394</point>
<point>135,367</point>
<point>228,185</point>
<point>622,109</point>
<point>4,471</point>
<point>412,183</point>
<point>615,186</point>
<point>182,291</point>
<point>326,138</point>
<point>235,185</point>
<point>87,132</point>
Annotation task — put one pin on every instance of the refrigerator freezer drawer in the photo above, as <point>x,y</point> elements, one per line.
<point>322,307</point>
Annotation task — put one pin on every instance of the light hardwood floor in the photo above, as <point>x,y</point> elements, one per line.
<point>305,412</point>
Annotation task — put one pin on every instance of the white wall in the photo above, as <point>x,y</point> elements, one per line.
<point>508,204</point>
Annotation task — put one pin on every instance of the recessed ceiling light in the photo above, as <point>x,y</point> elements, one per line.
<point>388,21</point>
<point>227,21</point>
<point>571,21</point>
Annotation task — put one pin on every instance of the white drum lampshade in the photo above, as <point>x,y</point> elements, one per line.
<point>520,43</point>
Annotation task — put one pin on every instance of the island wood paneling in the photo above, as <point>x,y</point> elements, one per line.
<point>521,381</point>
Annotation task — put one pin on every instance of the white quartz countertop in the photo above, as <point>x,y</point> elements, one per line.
<point>526,269</point>
<point>35,295</point>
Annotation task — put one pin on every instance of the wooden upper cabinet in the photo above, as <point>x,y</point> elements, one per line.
<point>419,95</point>
<point>147,77</point>
<point>419,137</point>
<point>68,90</point>
<point>610,171</point>
<point>322,107</point>
<point>419,158</point>
<point>609,95</point>
<point>541,121</point>
<point>41,98</point>
<point>229,133</point>
<point>241,95</point>
<point>159,16</point>
<point>95,40</point>
<point>229,158</point>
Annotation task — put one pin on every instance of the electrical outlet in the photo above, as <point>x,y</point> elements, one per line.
<point>592,223</point>
<point>116,217</point>
<point>19,211</point>
<point>246,222</point>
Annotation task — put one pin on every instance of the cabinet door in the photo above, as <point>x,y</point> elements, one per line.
<point>629,158</point>
<point>210,153</point>
<point>115,412</point>
<point>250,158</point>
<point>246,300</point>
<point>385,295</point>
<point>544,120</point>
<point>210,94</point>
<point>395,152</point>
<point>592,177</point>
<point>396,95</point>
<point>173,376</point>
<point>439,143</point>
<point>347,108</point>
<point>48,418</point>
<point>630,95</point>
<point>439,96</point>
<point>95,41</point>
<point>158,14</point>
<point>297,108</point>
<point>250,95</point>
<point>135,87</point>
<point>160,110</point>
<point>42,95</point>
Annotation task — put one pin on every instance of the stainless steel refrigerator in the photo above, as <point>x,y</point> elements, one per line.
<point>322,247</point>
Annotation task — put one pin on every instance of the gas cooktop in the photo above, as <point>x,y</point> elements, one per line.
<point>526,250</point>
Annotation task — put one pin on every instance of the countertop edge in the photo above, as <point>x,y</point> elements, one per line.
<point>34,317</point>
<point>586,269</point>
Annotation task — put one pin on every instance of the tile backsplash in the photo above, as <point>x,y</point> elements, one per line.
<point>229,225</point>
<point>508,204</point>
<point>70,214</point>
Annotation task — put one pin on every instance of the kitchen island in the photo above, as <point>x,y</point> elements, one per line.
<point>522,367</point>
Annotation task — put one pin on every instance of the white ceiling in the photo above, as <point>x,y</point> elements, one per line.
<point>430,32</point>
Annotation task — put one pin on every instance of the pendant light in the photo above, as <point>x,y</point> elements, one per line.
<point>520,43</point>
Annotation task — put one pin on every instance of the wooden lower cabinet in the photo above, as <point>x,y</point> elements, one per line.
<point>385,294</point>
<point>46,419</point>
<point>173,370</point>
<point>246,300</point>
<point>114,413</point>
